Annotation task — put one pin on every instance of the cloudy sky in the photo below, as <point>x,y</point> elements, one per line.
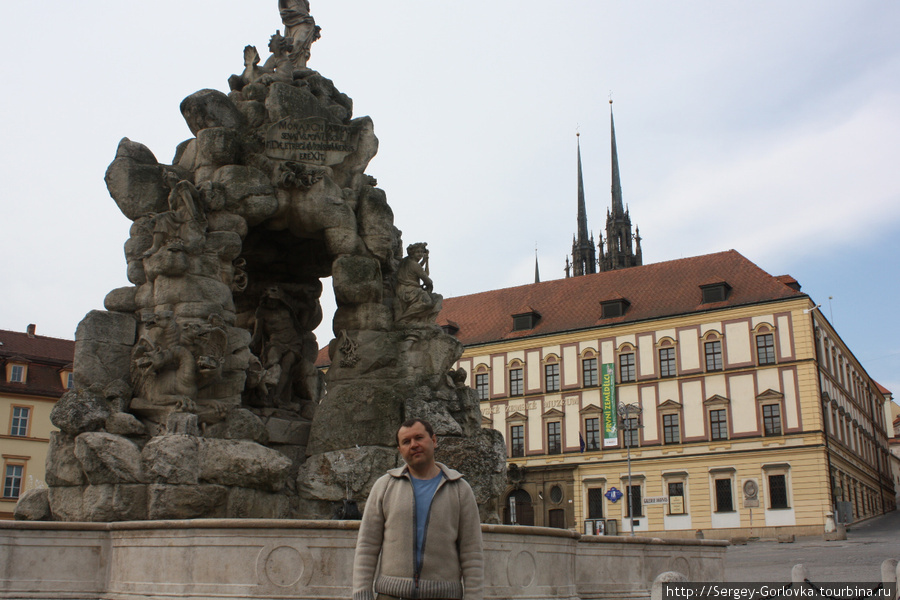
<point>769,127</point>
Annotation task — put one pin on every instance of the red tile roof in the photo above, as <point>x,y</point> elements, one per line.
<point>658,290</point>
<point>38,347</point>
<point>45,357</point>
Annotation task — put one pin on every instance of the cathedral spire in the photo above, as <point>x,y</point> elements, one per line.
<point>620,252</point>
<point>582,210</point>
<point>616,182</point>
<point>584,258</point>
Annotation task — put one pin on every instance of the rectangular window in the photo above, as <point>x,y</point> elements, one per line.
<point>554,438</point>
<point>17,374</point>
<point>589,371</point>
<point>12,483</point>
<point>592,434</point>
<point>19,427</point>
<point>636,509</point>
<point>676,498</point>
<point>516,385</point>
<point>667,362</point>
<point>70,381</point>
<point>713,355</point>
<point>765,349</point>
<point>626,368</point>
<point>671,431</point>
<point>595,503</point>
<point>630,432</point>
<point>482,386</point>
<point>551,377</point>
<point>718,425</point>
<point>517,440</point>
<point>771,419</point>
<point>723,495</point>
<point>778,491</point>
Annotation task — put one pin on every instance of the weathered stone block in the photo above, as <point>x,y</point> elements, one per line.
<point>33,505</point>
<point>67,503</point>
<point>106,503</point>
<point>227,221</point>
<point>186,501</point>
<point>108,458</point>
<point>369,316</point>
<point>376,223</point>
<point>218,145</point>
<point>101,363</point>
<point>242,463</point>
<point>108,327</point>
<point>435,413</point>
<point>254,112</point>
<point>226,244</point>
<point>63,468</point>
<point>285,100</point>
<point>245,503</point>
<point>327,476</point>
<point>210,108</point>
<point>359,413</point>
<point>137,187</point>
<point>79,411</point>
<point>357,280</point>
<point>482,458</point>
<point>136,151</point>
<point>122,423</point>
<point>172,459</point>
<point>121,300</point>
<point>282,431</point>
<point>241,424</point>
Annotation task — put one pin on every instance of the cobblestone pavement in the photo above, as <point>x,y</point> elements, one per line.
<point>858,559</point>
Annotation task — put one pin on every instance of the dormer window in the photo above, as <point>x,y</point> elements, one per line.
<point>525,321</point>
<point>613,308</point>
<point>450,328</point>
<point>16,374</point>
<point>715,292</point>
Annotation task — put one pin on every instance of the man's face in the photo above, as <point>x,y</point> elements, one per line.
<point>416,446</point>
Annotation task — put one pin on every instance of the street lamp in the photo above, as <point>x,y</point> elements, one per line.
<point>625,411</point>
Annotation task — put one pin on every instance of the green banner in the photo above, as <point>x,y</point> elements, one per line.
<point>610,417</point>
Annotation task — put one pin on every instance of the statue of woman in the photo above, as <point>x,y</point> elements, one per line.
<point>300,28</point>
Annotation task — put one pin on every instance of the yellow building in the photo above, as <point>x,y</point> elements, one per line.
<point>34,372</point>
<point>748,414</point>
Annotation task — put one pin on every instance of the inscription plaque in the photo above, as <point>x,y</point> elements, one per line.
<point>312,140</point>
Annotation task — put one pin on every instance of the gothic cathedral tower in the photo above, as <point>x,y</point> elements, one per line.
<point>584,260</point>
<point>620,253</point>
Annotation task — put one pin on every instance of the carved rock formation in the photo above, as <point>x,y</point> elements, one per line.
<point>197,392</point>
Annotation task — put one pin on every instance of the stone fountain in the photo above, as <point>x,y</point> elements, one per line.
<point>197,393</point>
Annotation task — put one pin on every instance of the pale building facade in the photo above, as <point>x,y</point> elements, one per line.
<point>34,373</point>
<point>744,429</point>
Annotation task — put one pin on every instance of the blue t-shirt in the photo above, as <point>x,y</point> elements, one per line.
<point>424,491</point>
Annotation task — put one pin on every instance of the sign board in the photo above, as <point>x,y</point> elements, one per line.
<point>311,140</point>
<point>656,500</point>
<point>676,505</point>
<point>608,396</point>
<point>613,494</point>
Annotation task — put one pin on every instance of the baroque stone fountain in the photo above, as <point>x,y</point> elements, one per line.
<point>196,392</point>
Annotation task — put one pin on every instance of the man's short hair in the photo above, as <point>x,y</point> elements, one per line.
<point>413,421</point>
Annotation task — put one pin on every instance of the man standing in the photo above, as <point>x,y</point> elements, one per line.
<point>422,520</point>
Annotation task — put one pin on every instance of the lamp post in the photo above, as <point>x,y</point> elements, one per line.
<point>625,411</point>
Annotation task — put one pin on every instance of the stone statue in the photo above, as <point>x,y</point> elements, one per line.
<point>183,221</point>
<point>278,67</point>
<point>278,342</point>
<point>415,302</point>
<point>300,28</point>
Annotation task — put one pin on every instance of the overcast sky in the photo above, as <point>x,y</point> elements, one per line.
<point>769,127</point>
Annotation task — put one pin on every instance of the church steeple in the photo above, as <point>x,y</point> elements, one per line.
<point>584,258</point>
<point>619,252</point>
